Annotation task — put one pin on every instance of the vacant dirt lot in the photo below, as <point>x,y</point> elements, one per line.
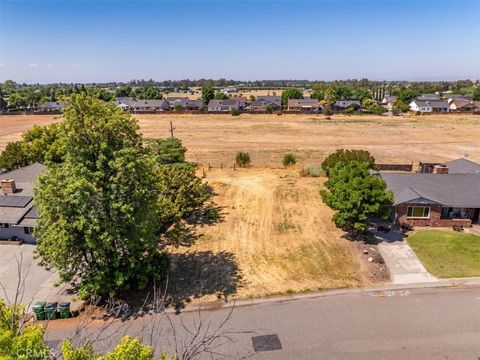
<point>217,138</point>
<point>275,235</point>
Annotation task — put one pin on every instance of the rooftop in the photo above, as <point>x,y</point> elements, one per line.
<point>453,190</point>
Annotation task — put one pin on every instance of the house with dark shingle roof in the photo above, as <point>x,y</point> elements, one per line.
<point>216,105</point>
<point>265,103</point>
<point>429,106</point>
<point>343,105</point>
<point>150,105</point>
<point>51,106</point>
<point>448,196</point>
<point>18,215</point>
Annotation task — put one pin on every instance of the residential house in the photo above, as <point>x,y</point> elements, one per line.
<point>242,101</point>
<point>459,97</point>
<point>458,166</point>
<point>343,105</point>
<point>124,102</point>
<point>429,106</point>
<point>388,101</point>
<point>216,105</point>
<point>448,196</point>
<point>51,106</point>
<point>195,105</point>
<point>150,105</point>
<point>228,90</point>
<point>18,215</point>
<point>265,103</point>
<point>460,105</point>
<point>305,105</point>
<point>185,103</point>
<point>429,97</point>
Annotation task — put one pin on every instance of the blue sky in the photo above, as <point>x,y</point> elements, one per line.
<point>83,41</point>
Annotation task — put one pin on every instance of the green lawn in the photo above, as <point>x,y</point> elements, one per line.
<point>447,254</point>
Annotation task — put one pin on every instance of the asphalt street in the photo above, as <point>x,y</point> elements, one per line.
<point>433,323</point>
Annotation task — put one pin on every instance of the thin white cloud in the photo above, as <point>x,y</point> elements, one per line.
<point>2,64</point>
<point>32,65</point>
<point>76,65</point>
<point>50,65</point>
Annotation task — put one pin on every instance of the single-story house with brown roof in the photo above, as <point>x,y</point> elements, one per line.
<point>307,105</point>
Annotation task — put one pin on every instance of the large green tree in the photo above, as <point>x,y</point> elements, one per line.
<point>166,151</point>
<point>98,207</point>
<point>356,195</point>
<point>36,146</point>
<point>208,93</point>
<point>345,156</point>
<point>476,93</point>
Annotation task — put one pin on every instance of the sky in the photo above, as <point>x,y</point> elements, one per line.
<point>98,41</point>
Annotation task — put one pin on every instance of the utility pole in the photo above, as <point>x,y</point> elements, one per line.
<point>171,129</point>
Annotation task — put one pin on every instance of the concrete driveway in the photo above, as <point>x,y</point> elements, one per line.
<point>404,266</point>
<point>17,264</point>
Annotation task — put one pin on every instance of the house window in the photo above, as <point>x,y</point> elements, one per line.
<point>28,230</point>
<point>3,225</point>
<point>418,212</point>
<point>454,213</point>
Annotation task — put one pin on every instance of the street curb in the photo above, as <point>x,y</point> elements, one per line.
<point>444,283</point>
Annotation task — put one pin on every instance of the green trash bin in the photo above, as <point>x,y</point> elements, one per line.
<point>64,309</point>
<point>39,310</point>
<point>51,311</point>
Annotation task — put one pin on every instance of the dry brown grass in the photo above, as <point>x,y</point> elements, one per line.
<point>280,233</point>
<point>217,138</point>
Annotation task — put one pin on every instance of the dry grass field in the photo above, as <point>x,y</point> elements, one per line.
<point>217,138</point>
<point>275,235</point>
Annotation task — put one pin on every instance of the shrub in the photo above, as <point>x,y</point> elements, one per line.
<point>243,159</point>
<point>376,109</point>
<point>213,215</point>
<point>235,112</point>
<point>179,107</point>
<point>314,171</point>
<point>289,159</point>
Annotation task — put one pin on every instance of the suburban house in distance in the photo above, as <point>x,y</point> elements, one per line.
<point>429,106</point>
<point>223,105</point>
<point>264,103</point>
<point>150,105</point>
<point>388,101</point>
<point>51,106</point>
<point>460,105</point>
<point>125,103</point>
<point>343,105</point>
<point>309,105</point>
<point>17,212</point>
<point>185,103</point>
<point>446,197</point>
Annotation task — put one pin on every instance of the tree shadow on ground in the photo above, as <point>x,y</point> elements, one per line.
<point>192,275</point>
<point>199,273</point>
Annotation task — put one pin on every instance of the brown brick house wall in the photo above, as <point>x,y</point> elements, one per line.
<point>435,218</point>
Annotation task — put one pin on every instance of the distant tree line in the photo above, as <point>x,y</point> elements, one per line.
<point>16,96</point>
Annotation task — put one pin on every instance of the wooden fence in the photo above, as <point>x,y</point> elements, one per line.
<point>394,167</point>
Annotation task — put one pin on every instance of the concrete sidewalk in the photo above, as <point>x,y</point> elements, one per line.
<point>404,266</point>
